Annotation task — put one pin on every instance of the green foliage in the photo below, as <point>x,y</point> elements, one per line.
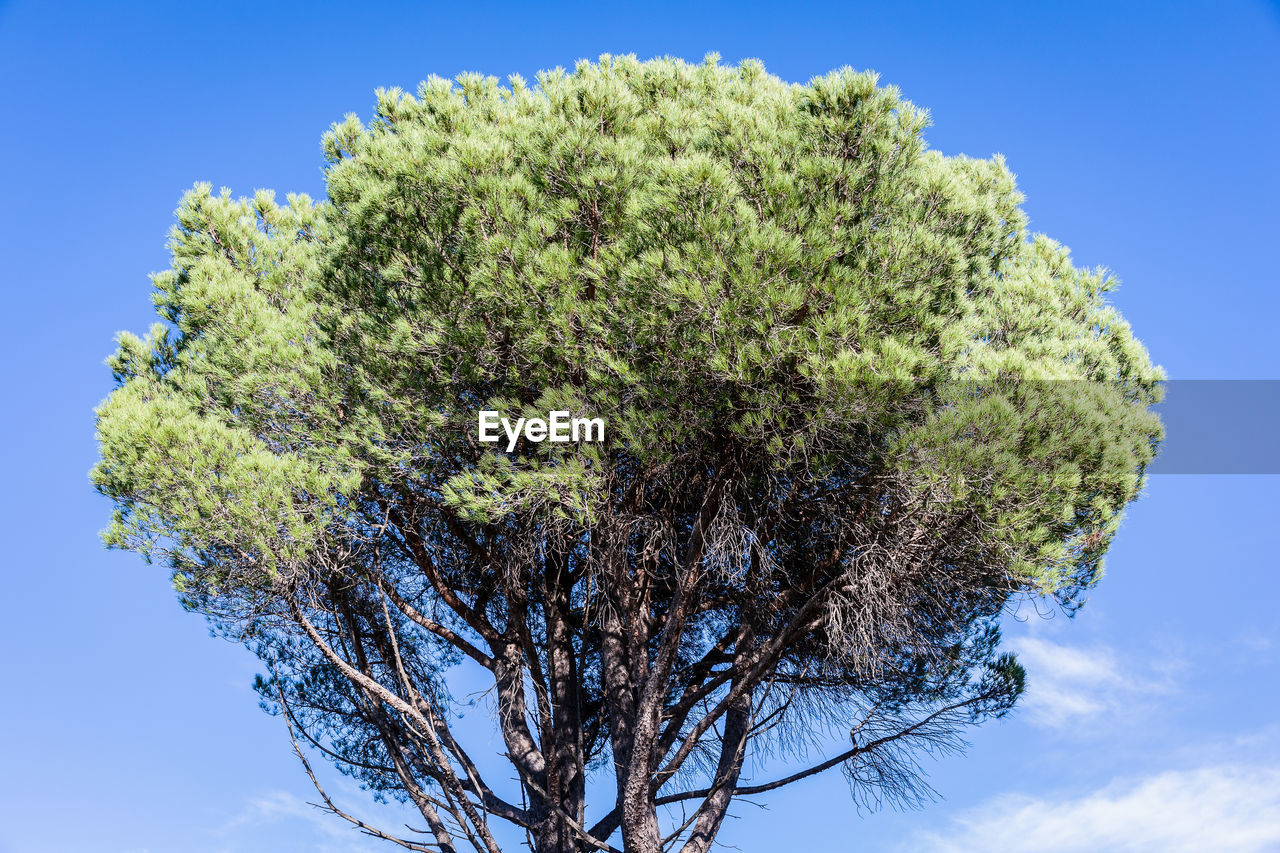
<point>681,249</point>
<point>226,435</point>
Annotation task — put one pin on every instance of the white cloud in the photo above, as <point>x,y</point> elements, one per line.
<point>1066,685</point>
<point>1255,641</point>
<point>1226,809</point>
<point>281,808</point>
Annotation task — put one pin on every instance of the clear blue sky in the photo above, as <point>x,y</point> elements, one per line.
<point>1145,137</point>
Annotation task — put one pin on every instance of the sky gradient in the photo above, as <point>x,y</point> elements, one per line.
<point>1144,138</point>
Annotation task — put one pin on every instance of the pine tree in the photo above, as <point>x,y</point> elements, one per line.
<point>852,410</point>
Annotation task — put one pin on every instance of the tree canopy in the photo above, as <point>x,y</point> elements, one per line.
<point>853,411</point>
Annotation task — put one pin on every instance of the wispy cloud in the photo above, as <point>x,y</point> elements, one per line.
<point>281,808</point>
<point>1255,641</point>
<point>1067,686</point>
<point>1227,809</point>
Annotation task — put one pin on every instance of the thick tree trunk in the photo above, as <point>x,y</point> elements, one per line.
<point>733,744</point>
<point>562,740</point>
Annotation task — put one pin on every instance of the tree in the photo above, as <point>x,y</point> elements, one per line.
<point>853,411</point>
